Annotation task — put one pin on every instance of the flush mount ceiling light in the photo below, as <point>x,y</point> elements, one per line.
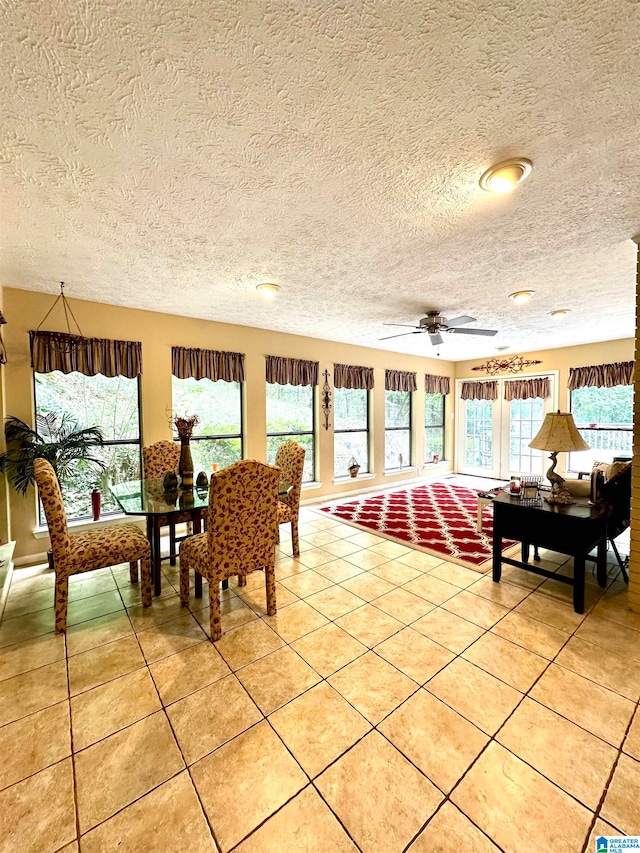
<point>268,290</point>
<point>560,314</point>
<point>521,297</point>
<point>505,176</point>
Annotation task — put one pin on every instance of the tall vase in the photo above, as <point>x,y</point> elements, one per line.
<point>185,465</point>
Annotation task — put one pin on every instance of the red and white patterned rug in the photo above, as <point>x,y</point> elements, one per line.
<point>437,518</point>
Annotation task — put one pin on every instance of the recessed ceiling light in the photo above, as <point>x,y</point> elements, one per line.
<point>521,297</point>
<point>505,176</point>
<point>268,290</point>
<point>560,314</point>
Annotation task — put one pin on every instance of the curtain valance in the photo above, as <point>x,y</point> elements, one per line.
<point>400,380</point>
<point>436,384</point>
<point>291,371</point>
<point>601,375</point>
<point>187,362</point>
<point>90,356</point>
<point>480,390</point>
<point>352,376</point>
<point>527,389</point>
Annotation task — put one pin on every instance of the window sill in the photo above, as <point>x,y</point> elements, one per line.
<point>394,472</point>
<point>339,481</point>
<point>84,524</point>
<point>307,487</point>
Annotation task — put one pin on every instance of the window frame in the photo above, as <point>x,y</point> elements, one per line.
<point>399,429</point>
<point>365,469</point>
<point>291,436</point>
<point>440,426</point>
<point>610,428</point>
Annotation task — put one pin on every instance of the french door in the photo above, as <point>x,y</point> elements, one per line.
<point>493,435</point>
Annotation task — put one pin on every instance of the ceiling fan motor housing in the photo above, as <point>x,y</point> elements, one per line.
<point>433,321</point>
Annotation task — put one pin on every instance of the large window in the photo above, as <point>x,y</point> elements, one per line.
<point>478,440</point>
<point>291,417</point>
<point>350,429</point>
<point>111,403</point>
<point>433,427</point>
<point>604,417</point>
<point>217,437</point>
<point>397,429</point>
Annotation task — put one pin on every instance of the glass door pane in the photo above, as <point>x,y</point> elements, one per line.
<point>478,443</point>
<point>525,419</point>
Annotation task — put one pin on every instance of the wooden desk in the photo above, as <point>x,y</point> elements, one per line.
<point>573,529</point>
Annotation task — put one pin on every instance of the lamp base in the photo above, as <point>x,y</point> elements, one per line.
<point>559,495</point>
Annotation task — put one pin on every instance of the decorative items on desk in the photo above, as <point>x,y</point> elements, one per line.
<point>530,487</point>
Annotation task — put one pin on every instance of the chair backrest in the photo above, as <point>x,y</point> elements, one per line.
<point>160,457</point>
<point>616,492</point>
<point>242,518</point>
<point>290,461</point>
<point>51,497</point>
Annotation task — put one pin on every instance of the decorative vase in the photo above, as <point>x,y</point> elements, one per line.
<point>185,465</point>
<point>354,467</point>
<point>96,502</point>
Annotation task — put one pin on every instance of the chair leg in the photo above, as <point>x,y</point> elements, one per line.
<point>184,581</point>
<point>62,597</point>
<point>242,580</point>
<point>133,571</point>
<point>215,620</point>
<point>145,572</point>
<point>294,537</point>
<point>172,542</point>
<point>270,580</point>
<point>621,562</point>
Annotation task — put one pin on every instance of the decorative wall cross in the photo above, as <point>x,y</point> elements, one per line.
<point>326,399</point>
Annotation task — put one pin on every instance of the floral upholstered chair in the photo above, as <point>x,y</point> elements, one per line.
<point>91,549</point>
<point>290,461</point>
<point>241,534</point>
<point>157,459</point>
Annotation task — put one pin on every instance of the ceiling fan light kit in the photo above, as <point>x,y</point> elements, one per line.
<point>505,177</point>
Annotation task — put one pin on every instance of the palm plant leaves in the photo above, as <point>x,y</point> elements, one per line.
<point>59,440</point>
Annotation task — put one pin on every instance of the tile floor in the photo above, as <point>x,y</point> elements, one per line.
<point>395,702</point>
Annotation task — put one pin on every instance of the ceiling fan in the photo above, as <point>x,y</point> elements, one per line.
<point>434,323</point>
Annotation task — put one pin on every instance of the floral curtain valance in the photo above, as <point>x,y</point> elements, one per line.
<point>90,356</point>
<point>601,375</point>
<point>291,371</point>
<point>400,380</point>
<point>187,362</point>
<point>352,376</point>
<point>436,384</point>
<point>527,389</point>
<point>480,390</point>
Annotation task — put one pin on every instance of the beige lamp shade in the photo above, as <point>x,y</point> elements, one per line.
<point>559,434</point>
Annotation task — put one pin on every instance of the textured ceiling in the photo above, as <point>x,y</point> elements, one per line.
<point>170,155</point>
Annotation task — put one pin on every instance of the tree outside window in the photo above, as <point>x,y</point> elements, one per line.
<point>350,429</point>
<point>397,432</point>
<point>291,417</point>
<point>604,417</point>
<point>433,427</point>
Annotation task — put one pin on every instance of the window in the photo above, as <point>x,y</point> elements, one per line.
<point>433,427</point>
<point>291,417</point>
<point>218,435</point>
<point>350,429</point>
<point>397,429</point>
<point>111,403</point>
<point>604,417</point>
<point>478,440</point>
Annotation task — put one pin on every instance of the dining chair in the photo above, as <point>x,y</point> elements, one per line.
<point>241,534</point>
<point>290,461</point>
<point>89,549</point>
<point>157,459</point>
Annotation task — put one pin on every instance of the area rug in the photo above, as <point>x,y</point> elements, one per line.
<point>437,518</point>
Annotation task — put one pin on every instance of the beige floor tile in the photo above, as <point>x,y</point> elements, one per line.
<point>502,593</point>
<point>97,632</point>
<point>403,605</point>
<point>31,654</point>
<point>615,607</point>
<point>245,781</point>
<point>620,806</point>
<point>414,654</point>
<point>31,579</point>
<point>474,608</point>
<point>168,818</point>
<point>369,625</point>
<point>306,583</point>
<point>97,605</point>
<point>632,741</point>
<point>578,762</point>
<point>170,638</point>
<point>341,548</point>
<point>247,643</point>
<point>315,557</point>
<point>475,694</point>
<point>277,678</point>
<point>389,549</point>
<point>368,586</point>
<point>162,610</point>
<point>378,795</point>
<point>531,634</point>
<point>611,636</point>
<point>204,720</point>
<point>320,538</point>
<point>367,559</point>
<point>432,588</point>
<point>328,649</point>
<point>424,721</point>
<point>106,709</point>
<point>287,566</point>
<point>256,598</point>
<point>447,629</point>
<point>318,726</point>
<point>38,814</point>
<point>366,540</point>
<point>600,828</point>
<point>300,826</point>
<point>516,666</point>
<point>395,572</point>
<point>233,613</point>
<point>33,743</point>
<point>602,666</point>
<point>99,665</point>
<point>338,571</point>
<point>558,615</point>
<point>32,691</point>
<point>520,809</point>
<point>92,583</point>
<point>19,605</point>
<point>562,592</point>
<point>521,577</point>
<point>116,771</point>
<point>69,848</point>
<point>334,602</point>
<point>24,628</point>
<point>420,561</point>
<point>188,671</point>
<point>594,708</point>
<point>449,831</point>
<point>372,686</point>
<point>295,620</point>
<point>454,574</point>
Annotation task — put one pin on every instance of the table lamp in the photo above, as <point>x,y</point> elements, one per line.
<point>558,434</point>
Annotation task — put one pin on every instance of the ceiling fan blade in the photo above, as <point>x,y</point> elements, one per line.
<point>460,321</point>
<point>406,325</point>
<point>401,335</point>
<point>436,339</point>
<point>486,332</point>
